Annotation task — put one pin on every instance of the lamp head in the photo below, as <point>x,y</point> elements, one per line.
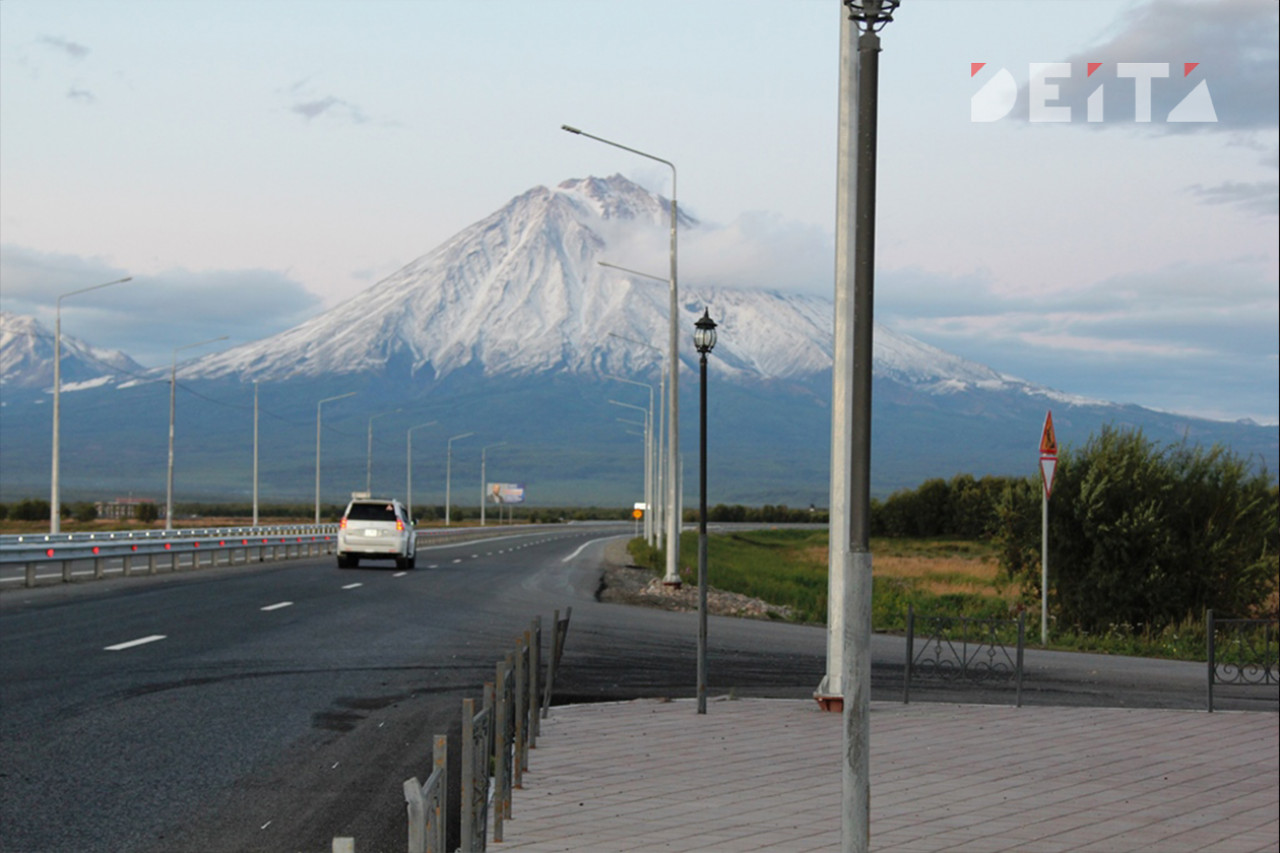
<point>871,15</point>
<point>704,334</point>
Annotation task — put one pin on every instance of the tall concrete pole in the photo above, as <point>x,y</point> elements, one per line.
<point>871,16</point>
<point>830,693</point>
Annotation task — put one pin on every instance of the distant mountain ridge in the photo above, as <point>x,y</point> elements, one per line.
<point>522,292</point>
<point>513,331</point>
<point>26,357</point>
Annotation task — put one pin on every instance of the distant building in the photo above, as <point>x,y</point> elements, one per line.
<point>121,507</point>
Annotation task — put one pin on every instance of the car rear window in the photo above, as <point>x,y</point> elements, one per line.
<point>371,512</point>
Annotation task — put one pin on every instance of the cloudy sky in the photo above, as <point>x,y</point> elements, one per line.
<point>252,162</point>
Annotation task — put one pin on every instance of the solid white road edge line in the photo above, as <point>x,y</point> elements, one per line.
<point>584,545</point>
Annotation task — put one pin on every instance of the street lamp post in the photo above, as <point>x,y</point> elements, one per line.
<point>672,577</point>
<point>483,486</point>
<point>704,338</point>
<point>255,453</point>
<point>647,425</point>
<point>448,472</point>
<point>173,395</point>
<point>368,463</point>
<point>408,464</point>
<point>55,497</point>
<point>319,406</point>
<point>660,448</point>
<point>871,16</point>
<point>649,463</point>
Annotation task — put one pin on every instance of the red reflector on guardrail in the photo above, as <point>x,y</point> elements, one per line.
<point>95,549</point>
<point>195,544</point>
<point>222,544</point>
<point>49,553</point>
<point>167,546</point>
<point>133,548</point>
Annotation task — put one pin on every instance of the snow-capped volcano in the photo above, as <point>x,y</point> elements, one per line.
<point>26,357</point>
<point>522,292</point>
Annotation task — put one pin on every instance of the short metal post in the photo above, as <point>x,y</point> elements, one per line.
<point>1022,635</point>
<point>522,711</point>
<point>467,784</point>
<point>535,661</point>
<point>906,670</point>
<point>1212,650</point>
<point>440,761</point>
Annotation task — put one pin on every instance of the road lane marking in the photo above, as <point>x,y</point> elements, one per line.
<point>119,647</point>
<point>353,585</point>
<point>459,560</point>
<point>277,606</point>
<point>399,574</point>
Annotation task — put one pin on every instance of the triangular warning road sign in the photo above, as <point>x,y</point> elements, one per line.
<point>1048,464</point>
<point>1048,442</point>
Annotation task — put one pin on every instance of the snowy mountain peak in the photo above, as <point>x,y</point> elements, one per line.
<point>26,357</point>
<point>522,292</point>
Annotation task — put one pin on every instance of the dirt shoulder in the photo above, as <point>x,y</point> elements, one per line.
<point>623,583</point>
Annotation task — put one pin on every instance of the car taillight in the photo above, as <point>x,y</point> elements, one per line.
<point>399,525</point>
<point>342,525</point>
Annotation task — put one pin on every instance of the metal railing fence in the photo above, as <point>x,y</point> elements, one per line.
<point>958,648</point>
<point>1241,652</point>
<point>428,803</point>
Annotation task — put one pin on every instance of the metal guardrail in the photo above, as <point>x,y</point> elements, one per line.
<point>130,552</point>
<point>1246,653</point>
<point>150,551</point>
<point>962,649</point>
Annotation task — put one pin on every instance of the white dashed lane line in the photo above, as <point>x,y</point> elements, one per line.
<point>141,641</point>
<point>353,586</point>
<point>279,605</point>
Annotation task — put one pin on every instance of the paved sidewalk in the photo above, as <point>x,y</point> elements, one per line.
<point>761,774</point>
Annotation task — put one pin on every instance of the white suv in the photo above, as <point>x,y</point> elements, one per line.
<point>376,528</point>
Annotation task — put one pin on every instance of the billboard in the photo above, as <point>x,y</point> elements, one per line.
<point>505,493</point>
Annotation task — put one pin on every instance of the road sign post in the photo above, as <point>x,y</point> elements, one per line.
<point>1048,464</point>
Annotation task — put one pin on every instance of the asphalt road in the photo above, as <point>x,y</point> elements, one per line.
<point>273,707</point>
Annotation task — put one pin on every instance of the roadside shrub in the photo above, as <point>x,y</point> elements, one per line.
<point>30,509</point>
<point>1146,536</point>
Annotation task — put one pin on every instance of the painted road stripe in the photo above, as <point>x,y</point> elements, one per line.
<point>581,547</point>
<point>119,647</point>
<point>353,585</point>
<point>279,605</point>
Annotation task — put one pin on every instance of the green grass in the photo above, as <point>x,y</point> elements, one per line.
<point>937,577</point>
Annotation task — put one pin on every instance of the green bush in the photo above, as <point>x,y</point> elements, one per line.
<point>30,509</point>
<point>84,511</point>
<point>1145,537</point>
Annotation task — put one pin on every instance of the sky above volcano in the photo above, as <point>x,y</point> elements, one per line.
<point>1080,193</point>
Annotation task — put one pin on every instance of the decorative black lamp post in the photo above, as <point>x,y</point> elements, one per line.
<point>704,338</point>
